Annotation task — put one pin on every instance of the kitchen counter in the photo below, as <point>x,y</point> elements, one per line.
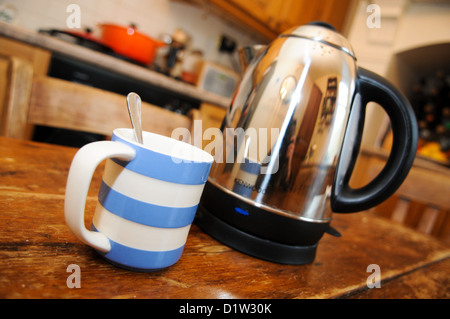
<point>110,63</point>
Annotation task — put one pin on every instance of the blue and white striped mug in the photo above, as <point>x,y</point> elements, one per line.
<point>147,200</point>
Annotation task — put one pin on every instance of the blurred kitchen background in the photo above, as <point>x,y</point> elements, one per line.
<point>196,71</point>
<point>154,18</point>
<point>407,41</point>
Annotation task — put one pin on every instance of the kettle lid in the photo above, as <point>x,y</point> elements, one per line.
<point>323,33</point>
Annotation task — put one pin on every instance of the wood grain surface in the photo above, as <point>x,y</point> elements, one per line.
<point>36,247</point>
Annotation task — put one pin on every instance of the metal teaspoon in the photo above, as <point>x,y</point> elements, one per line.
<point>134,110</point>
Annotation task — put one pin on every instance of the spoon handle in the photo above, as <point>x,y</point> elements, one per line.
<point>134,109</point>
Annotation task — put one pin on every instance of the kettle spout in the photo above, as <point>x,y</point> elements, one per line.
<point>247,53</point>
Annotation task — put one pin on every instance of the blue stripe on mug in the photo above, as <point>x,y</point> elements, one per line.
<point>144,213</point>
<point>250,166</point>
<point>245,190</point>
<point>138,259</point>
<point>163,167</point>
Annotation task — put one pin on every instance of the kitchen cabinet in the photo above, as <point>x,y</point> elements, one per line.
<point>298,12</point>
<point>38,57</point>
<point>265,11</point>
<point>269,18</point>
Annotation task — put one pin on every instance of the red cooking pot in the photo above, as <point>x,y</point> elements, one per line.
<point>130,43</point>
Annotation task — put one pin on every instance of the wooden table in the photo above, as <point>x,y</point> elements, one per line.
<point>36,248</point>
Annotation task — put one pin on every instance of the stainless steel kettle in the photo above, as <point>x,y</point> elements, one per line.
<point>290,142</point>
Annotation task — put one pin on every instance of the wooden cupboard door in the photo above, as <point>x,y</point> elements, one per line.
<point>266,11</point>
<point>298,12</point>
<point>39,58</point>
<point>269,18</point>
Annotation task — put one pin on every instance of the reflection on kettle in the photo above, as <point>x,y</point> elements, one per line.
<point>246,177</point>
<point>277,203</point>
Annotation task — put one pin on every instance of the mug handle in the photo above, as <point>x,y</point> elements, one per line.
<point>374,88</point>
<point>79,179</point>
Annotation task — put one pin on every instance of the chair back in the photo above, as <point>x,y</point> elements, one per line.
<point>41,100</point>
<point>423,200</point>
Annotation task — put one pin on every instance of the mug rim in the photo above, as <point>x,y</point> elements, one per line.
<point>166,146</point>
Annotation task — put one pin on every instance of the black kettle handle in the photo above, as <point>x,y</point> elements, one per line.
<point>374,88</point>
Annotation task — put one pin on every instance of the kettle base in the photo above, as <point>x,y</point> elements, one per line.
<point>251,245</point>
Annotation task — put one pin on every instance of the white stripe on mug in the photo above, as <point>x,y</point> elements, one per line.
<point>138,236</point>
<point>150,190</point>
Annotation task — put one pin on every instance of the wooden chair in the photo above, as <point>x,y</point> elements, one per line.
<point>40,100</point>
<point>423,200</point>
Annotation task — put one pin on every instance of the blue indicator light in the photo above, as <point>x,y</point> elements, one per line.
<point>241,211</point>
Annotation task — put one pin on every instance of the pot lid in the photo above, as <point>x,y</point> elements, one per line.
<point>321,32</point>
